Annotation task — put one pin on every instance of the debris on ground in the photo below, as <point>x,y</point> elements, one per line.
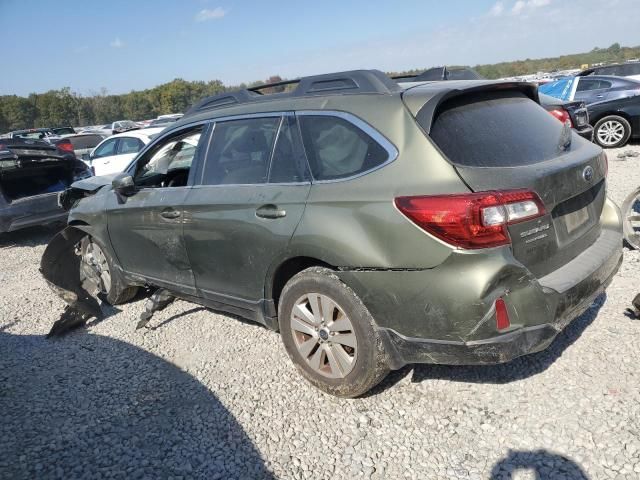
<point>628,154</point>
<point>156,303</point>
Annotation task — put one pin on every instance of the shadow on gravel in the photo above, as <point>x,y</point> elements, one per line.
<point>87,406</point>
<point>518,369</point>
<point>30,237</point>
<point>543,464</point>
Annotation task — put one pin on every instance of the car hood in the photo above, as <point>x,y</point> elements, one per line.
<point>92,184</point>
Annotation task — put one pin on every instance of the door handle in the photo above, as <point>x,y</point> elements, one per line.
<point>170,213</point>
<point>270,211</point>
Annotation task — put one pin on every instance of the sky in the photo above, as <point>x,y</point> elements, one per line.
<point>124,45</point>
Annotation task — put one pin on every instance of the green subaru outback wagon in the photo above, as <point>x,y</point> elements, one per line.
<point>373,224</point>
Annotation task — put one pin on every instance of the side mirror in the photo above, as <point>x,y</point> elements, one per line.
<point>123,185</point>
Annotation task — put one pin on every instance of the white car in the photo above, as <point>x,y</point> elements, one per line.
<point>120,126</point>
<point>116,152</point>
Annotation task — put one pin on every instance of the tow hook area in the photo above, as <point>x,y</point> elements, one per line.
<point>71,279</point>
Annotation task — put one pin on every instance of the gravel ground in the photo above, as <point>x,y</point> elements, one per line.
<point>202,395</point>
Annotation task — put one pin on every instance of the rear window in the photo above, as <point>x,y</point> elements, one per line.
<point>497,129</point>
<point>631,69</point>
<point>64,131</point>
<point>85,141</point>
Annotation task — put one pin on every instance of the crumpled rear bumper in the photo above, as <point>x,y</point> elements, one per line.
<point>504,348</point>
<point>447,314</point>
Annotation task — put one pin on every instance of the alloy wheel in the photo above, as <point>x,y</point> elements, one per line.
<point>324,335</point>
<point>610,133</point>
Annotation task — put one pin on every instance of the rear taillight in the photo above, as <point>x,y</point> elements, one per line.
<point>562,115</point>
<point>65,146</point>
<point>473,220</point>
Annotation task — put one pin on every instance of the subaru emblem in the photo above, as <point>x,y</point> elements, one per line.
<point>587,174</point>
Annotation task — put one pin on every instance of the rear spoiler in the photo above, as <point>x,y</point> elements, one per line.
<point>425,100</point>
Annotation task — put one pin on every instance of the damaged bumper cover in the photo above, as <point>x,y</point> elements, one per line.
<point>446,315</point>
<point>506,347</point>
<point>73,282</point>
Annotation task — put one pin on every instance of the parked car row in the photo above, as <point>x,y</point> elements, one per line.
<point>32,173</point>
<point>613,103</point>
<point>372,223</point>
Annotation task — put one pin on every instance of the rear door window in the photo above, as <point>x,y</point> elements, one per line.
<point>613,70</point>
<point>129,145</point>
<point>289,164</point>
<point>497,129</point>
<point>586,84</point>
<point>240,151</point>
<point>336,148</point>
<point>631,69</point>
<point>85,141</point>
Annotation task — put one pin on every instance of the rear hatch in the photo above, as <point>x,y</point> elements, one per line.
<point>500,138</point>
<point>29,168</point>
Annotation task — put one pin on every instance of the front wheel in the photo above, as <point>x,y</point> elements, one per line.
<point>612,132</point>
<point>330,335</point>
<point>110,284</point>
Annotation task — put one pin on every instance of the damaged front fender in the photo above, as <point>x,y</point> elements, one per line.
<point>61,268</point>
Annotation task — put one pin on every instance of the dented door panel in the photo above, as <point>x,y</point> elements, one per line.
<point>146,232</point>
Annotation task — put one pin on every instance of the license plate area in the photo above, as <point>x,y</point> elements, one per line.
<point>574,220</point>
<point>575,216</point>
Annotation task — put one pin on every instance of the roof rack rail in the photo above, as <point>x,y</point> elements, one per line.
<point>354,81</point>
<point>441,73</point>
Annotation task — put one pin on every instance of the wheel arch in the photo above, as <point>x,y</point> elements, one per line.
<point>283,271</point>
<point>609,113</point>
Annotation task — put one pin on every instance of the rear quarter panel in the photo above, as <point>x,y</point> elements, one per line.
<point>355,224</point>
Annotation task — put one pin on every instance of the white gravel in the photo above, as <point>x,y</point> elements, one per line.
<point>202,395</point>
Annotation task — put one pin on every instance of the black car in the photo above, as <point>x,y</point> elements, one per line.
<point>575,114</point>
<point>615,121</point>
<point>599,88</point>
<point>441,73</point>
<point>64,130</point>
<point>630,69</point>
<point>32,172</point>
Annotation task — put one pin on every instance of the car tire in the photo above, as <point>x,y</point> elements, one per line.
<point>115,291</point>
<point>612,131</point>
<point>344,356</point>
<point>629,209</point>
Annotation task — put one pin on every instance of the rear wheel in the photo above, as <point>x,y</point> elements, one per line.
<point>612,131</point>
<point>631,219</point>
<point>111,284</point>
<point>330,335</point>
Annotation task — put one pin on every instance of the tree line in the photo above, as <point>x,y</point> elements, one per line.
<point>64,107</point>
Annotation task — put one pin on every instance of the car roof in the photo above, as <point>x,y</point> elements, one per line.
<point>611,78</point>
<point>143,134</point>
<point>323,92</point>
